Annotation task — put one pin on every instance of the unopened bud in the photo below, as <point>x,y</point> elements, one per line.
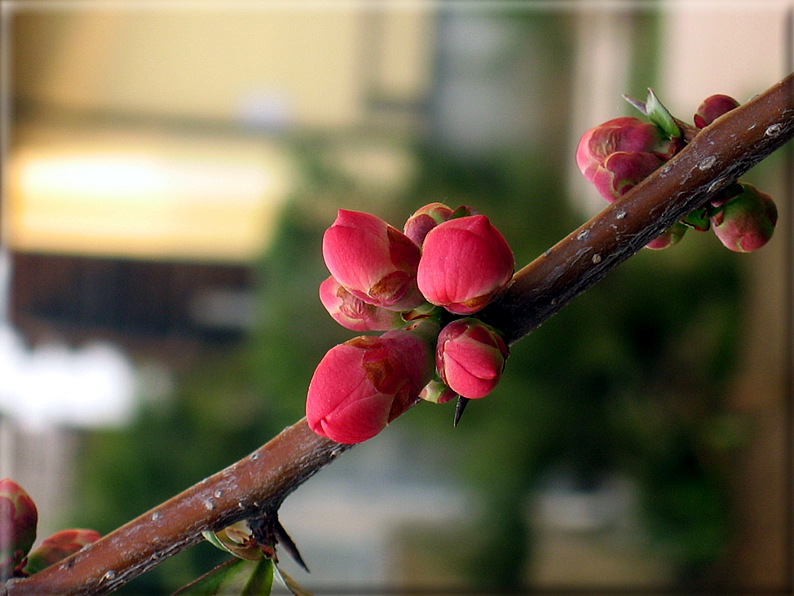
<point>425,219</point>
<point>626,134</point>
<point>470,357</point>
<point>365,383</point>
<point>622,171</point>
<point>353,313</point>
<point>373,260</point>
<point>746,221</point>
<point>712,108</point>
<point>437,392</point>
<point>59,546</point>
<point>18,519</point>
<point>668,238</point>
<point>465,263</point>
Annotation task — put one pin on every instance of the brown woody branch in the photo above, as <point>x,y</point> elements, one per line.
<point>260,482</point>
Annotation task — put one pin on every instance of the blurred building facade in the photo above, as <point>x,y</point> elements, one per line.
<point>152,150</point>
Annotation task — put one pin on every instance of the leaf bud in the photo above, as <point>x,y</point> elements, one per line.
<point>437,392</point>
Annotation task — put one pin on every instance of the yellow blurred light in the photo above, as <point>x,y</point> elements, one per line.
<point>156,198</point>
<point>111,177</point>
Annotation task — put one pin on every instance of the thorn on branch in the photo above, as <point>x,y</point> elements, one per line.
<point>288,544</point>
<point>459,407</point>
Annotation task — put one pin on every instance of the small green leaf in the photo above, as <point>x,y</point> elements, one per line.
<point>660,116</point>
<point>236,577</point>
<point>290,583</point>
<point>698,219</point>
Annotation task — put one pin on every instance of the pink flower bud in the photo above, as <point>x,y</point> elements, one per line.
<point>746,221</point>
<point>668,238</point>
<point>626,134</point>
<point>712,108</point>
<point>470,357</point>
<point>365,383</point>
<point>18,519</point>
<point>59,546</point>
<point>622,171</point>
<point>465,263</point>
<point>425,219</point>
<point>374,261</point>
<point>353,313</point>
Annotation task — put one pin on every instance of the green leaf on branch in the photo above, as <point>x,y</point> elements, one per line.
<point>660,116</point>
<point>238,577</point>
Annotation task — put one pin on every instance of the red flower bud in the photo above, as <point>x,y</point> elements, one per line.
<point>465,262</point>
<point>365,383</point>
<point>59,546</point>
<point>669,237</point>
<point>626,134</point>
<point>374,261</point>
<point>470,357</point>
<point>18,519</point>
<point>746,221</point>
<point>712,108</point>
<point>425,219</point>
<point>353,313</point>
<point>622,171</point>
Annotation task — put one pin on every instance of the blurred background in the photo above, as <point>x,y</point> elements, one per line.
<point>168,172</point>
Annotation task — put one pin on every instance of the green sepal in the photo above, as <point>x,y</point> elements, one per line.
<point>698,219</point>
<point>213,539</point>
<point>237,577</point>
<point>422,311</point>
<point>290,583</point>
<point>241,551</point>
<point>462,211</point>
<point>660,116</point>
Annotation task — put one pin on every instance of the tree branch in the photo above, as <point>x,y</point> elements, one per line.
<point>716,157</point>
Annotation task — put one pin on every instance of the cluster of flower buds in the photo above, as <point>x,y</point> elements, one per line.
<point>18,520</point>
<point>619,154</point>
<point>408,284</point>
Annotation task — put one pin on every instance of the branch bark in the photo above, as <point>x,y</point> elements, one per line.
<point>716,157</point>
